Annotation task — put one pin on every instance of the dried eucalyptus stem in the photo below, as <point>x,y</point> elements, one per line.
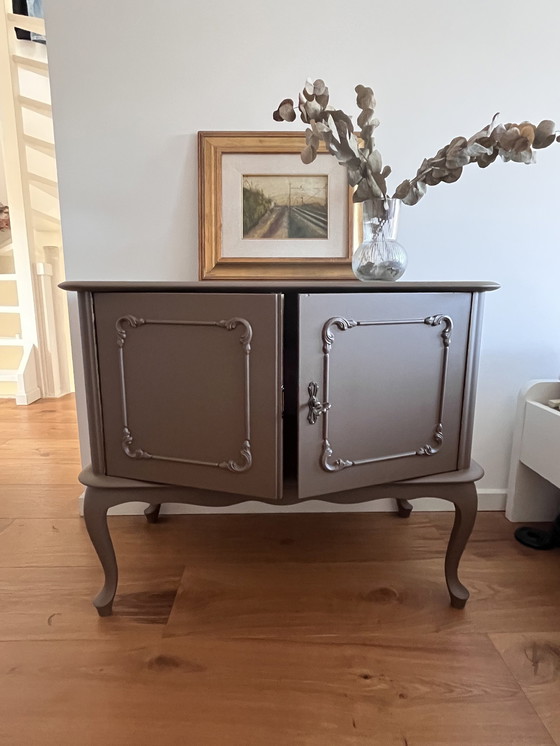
<point>356,149</point>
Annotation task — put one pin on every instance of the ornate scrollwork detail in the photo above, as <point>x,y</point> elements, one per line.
<point>127,441</point>
<point>316,407</point>
<point>338,464</point>
<point>427,449</point>
<point>442,319</point>
<point>328,336</point>
<point>246,458</point>
<point>121,332</point>
<point>247,335</point>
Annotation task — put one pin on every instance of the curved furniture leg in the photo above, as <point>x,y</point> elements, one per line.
<point>465,500</point>
<point>404,508</point>
<point>455,487</point>
<point>152,512</point>
<point>95,514</point>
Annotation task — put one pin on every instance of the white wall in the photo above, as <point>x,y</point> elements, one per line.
<point>130,90</point>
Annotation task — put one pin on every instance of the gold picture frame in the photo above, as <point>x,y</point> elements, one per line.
<point>226,252</point>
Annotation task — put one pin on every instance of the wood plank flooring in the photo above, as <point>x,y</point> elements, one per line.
<point>261,630</point>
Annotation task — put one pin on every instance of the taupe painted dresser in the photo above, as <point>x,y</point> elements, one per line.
<point>214,393</point>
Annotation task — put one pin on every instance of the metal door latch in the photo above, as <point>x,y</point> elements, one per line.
<point>316,407</point>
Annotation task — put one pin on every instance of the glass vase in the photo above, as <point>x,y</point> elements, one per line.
<point>380,256</point>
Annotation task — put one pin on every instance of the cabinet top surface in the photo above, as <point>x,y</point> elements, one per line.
<point>256,286</point>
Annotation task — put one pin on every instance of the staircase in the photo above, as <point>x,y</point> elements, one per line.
<point>34,336</point>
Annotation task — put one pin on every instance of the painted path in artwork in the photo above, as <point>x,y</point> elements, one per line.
<point>305,222</point>
<point>273,224</point>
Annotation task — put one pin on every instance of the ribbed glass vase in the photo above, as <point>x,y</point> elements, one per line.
<point>380,256</point>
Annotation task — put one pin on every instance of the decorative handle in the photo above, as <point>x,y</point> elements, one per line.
<point>316,407</point>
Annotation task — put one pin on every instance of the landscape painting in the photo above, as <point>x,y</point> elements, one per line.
<point>278,207</point>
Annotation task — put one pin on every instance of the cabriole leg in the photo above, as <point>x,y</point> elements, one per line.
<point>465,500</point>
<point>95,514</point>
<point>152,512</point>
<point>404,508</point>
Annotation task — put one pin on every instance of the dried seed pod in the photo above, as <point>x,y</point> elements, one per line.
<point>415,194</point>
<point>381,182</point>
<point>365,98</point>
<point>453,175</point>
<point>308,90</point>
<point>439,173</point>
<point>544,134</point>
<point>312,139</point>
<point>285,111</point>
<point>319,87</point>
<point>475,149</point>
<point>301,106</point>
<point>402,190</point>
<point>354,173</point>
<point>373,186</point>
<point>362,192</point>
<point>457,157</point>
<point>308,154</point>
<point>323,99</point>
<point>485,160</point>
<point>313,109</point>
<point>509,136</point>
<point>431,180</point>
<point>374,161</point>
<point>527,130</point>
<point>339,116</point>
<point>319,128</point>
<point>366,118</point>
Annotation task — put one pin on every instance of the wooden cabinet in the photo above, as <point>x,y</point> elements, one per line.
<point>279,391</point>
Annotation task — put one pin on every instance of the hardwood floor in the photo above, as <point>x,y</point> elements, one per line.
<point>261,630</point>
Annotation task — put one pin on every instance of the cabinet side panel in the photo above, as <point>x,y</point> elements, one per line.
<point>190,389</point>
<point>381,387</point>
<point>91,376</point>
<point>471,377</point>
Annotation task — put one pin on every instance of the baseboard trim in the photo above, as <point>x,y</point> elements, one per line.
<point>28,397</point>
<point>488,500</point>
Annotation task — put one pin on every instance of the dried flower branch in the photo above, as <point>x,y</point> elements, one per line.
<point>356,150</point>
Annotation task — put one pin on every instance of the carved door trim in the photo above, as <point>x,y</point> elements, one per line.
<point>424,449</point>
<point>133,451</point>
<point>384,447</point>
<point>191,389</point>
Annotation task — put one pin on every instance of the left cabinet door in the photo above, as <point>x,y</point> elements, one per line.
<point>190,388</point>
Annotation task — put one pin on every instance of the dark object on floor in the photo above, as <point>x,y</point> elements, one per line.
<point>537,538</point>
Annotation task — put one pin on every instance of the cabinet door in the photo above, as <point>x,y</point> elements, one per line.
<point>191,389</point>
<point>381,387</point>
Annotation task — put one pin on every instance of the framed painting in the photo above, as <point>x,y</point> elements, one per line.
<point>263,214</point>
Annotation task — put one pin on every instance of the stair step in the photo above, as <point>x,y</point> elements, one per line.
<point>30,64</point>
<point>10,342</point>
<point>47,185</point>
<point>37,144</point>
<point>7,278</point>
<point>8,375</point>
<point>9,309</point>
<point>38,106</point>
<point>29,23</point>
<point>38,215</point>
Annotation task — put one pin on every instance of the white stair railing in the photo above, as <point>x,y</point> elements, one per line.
<point>34,338</point>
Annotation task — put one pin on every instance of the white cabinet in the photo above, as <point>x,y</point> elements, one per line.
<point>534,480</point>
